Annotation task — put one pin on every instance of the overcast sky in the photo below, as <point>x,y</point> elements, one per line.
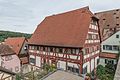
<point>25,15</point>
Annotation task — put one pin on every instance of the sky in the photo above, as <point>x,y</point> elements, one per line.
<point>25,15</point>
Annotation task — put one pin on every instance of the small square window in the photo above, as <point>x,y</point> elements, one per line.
<point>117,10</point>
<point>117,36</point>
<point>117,24</point>
<point>106,61</point>
<point>104,19</point>
<point>117,17</point>
<point>114,13</point>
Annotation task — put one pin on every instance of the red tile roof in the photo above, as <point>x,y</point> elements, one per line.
<point>16,43</point>
<point>6,50</point>
<point>108,55</point>
<point>67,29</point>
<point>108,19</point>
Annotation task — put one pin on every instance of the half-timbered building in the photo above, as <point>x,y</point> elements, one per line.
<point>68,40</point>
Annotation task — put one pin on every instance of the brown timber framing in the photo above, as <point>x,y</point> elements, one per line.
<point>55,57</point>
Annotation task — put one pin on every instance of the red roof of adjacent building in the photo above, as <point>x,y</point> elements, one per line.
<point>16,43</point>
<point>6,50</point>
<point>108,19</point>
<point>67,29</point>
<point>108,55</point>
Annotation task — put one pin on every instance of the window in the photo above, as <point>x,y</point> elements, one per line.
<point>103,47</point>
<point>110,62</point>
<point>16,68</point>
<point>114,13</point>
<point>98,61</point>
<point>108,47</point>
<point>32,47</point>
<point>51,49</point>
<point>87,50</point>
<point>89,36</point>
<point>37,47</point>
<point>104,19</point>
<point>94,22</point>
<point>92,49</point>
<point>77,50</point>
<point>117,17</point>
<point>115,48</point>
<point>57,50</point>
<point>69,50</point>
<point>25,48</point>
<point>60,50</point>
<point>32,60</point>
<point>105,61</point>
<point>74,51</point>
<point>117,24</point>
<point>48,49</point>
<point>117,36</point>
<point>41,48</point>
<point>85,70</point>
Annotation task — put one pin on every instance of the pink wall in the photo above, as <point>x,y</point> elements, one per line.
<point>13,63</point>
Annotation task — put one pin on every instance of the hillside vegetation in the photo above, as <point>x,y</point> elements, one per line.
<point>5,34</point>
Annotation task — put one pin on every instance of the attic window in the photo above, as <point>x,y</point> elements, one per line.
<point>117,17</point>
<point>108,25</point>
<point>117,36</point>
<point>104,19</point>
<point>114,13</point>
<point>117,10</point>
<point>117,24</point>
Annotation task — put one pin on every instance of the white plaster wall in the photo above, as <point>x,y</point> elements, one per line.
<point>61,65</point>
<point>92,64</point>
<point>88,66</point>
<point>96,61</point>
<point>73,57</point>
<point>38,60</point>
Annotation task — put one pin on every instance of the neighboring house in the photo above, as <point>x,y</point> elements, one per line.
<point>109,22</point>
<point>19,45</point>
<point>9,59</point>
<point>69,40</point>
<point>110,49</point>
<point>5,74</point>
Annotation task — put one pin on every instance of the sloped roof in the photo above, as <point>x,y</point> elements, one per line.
<point>5,50</point>
<point>16,43</point>
<point>109,19</point>
<point>67,29</point>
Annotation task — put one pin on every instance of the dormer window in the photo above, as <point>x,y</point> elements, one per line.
<point>117,24</point>
<point>104,19</point>
<point>117,10</point>
<point>117,17</point>
<point>117,36</point>
<point>114,13</point>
